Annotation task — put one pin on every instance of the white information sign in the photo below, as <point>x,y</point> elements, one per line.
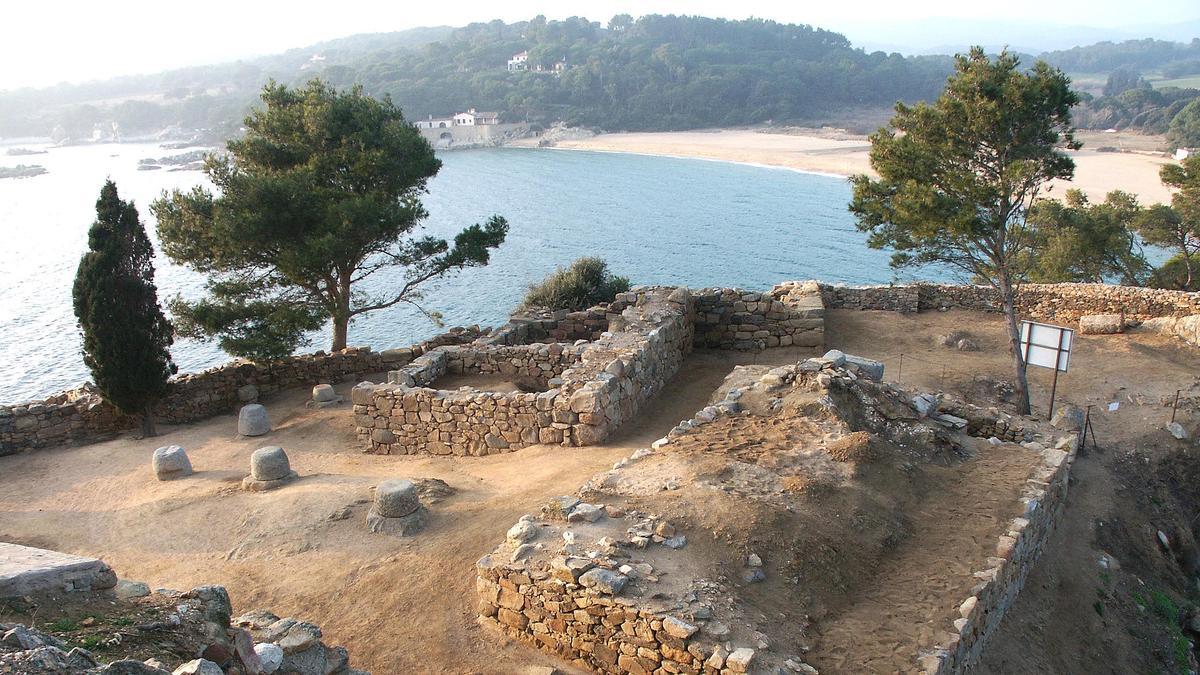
<point>1046,345</point>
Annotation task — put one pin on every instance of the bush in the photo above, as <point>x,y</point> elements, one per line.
<point>585,283</point>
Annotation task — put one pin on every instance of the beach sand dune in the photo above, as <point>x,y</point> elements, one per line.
<point>839,153</point>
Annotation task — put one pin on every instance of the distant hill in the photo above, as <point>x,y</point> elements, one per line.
<point>658,72</point>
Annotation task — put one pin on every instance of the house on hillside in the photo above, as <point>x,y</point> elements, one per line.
<point>519,61</point>
<point>432,123</point>
<point>474,118</point>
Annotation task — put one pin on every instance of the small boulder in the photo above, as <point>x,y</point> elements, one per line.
<point>253,421</point>
<point>739,660</point>
<point>833,357</point>
<point>171,462</point>
<point>199,667</point>
<point>588,513</point>
<point>126,589</point>
<point>522,532</point>
<point>269,655</point>
<point>324,393</point>
<point>603,581</point>
<point>1176,429</point>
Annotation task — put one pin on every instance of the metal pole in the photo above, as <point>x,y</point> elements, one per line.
<point>1053,389</point>
<point>900,370</point>
<point>1175,405</point>
<point>1087,422</point>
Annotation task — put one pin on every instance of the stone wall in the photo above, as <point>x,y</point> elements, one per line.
<point>789,314</point>
<point>1063,303</point>
<point>594,387</point>
<point>81,415</point>
<point>1017,550</point>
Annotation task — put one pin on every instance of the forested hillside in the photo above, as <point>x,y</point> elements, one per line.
<point>658,72</point>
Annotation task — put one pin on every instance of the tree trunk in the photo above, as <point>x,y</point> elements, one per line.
<point>148,428</point>
<point>1008,299</point>
<point>341,325</point>
<point>341,316</point>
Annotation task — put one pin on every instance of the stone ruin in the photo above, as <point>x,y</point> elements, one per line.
<point>587,388</point>
<point>589,582</point>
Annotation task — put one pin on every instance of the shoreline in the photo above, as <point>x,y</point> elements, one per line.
<point>837,154</point>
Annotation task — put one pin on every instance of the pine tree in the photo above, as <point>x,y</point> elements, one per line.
<point>126,338</point>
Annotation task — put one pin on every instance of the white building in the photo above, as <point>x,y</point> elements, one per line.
<point>519,61</point>
<point>431,123</point>
<point>473,118</point>
<point>1183,153</point>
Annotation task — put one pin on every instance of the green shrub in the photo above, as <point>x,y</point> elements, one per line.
<point>585,283</point>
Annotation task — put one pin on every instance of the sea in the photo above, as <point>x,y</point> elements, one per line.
<point>656,220</point>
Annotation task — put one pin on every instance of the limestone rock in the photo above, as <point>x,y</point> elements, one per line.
<point>270,655</point>
<point>678,628</point>
<point>126,589</point>
<point>170,462</point>
<point>740,659</point>
<point>253,421</point>
<point>199,667</point>
<point>603,581</point>
<point>247,393</point>
<point>522,532</point>
<point>870,368</point>
<point>1101,324</point>
<point>589,513</point>
<point>396,498</point>
<point>324,393</point>
<point>1176,429</point>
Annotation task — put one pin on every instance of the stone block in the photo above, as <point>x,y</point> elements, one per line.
<point>1101,324</point>
<point>396,498</point>
<point>253,420</point>
<point>171,462</point>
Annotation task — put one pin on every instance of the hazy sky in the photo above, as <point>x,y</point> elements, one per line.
<point>43,42</point>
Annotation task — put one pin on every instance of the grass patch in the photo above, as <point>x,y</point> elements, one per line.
<point>64,625</point>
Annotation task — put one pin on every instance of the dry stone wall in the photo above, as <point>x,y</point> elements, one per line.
<point>593,387</point>
<point>1017,550</point>
<point>1063,303</point>
<point>790,314</point>
<point>81,415</point>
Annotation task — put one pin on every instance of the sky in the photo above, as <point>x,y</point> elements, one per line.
<point>45,42</point>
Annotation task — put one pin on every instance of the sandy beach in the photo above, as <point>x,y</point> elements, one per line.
<point>838,153</point>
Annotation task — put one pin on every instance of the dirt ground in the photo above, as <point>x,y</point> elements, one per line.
<point>398,605</point>
<point>406,605</point>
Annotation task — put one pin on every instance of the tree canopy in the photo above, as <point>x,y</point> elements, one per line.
<point>1177,227</point>
<point>1084,242</point>
<point>126,338</point>
<point>957,177</point>
<point>321,192</point>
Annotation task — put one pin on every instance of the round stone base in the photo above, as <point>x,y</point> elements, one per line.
<point>254,485</point>
<point>400,527</point>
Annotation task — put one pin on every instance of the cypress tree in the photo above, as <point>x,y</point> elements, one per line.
<point>126,338</point>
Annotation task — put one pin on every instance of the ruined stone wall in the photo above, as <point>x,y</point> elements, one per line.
<point>789,314</point>
<point>605,634</point>
<point>81,416</point>
<point>1063,303</point>
<point>980,614</point>
<point>594,387</point>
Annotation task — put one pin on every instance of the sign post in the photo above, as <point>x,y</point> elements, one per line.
<point>1048,346</point>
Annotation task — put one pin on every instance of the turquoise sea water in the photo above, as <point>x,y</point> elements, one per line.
<point>655,219</point>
